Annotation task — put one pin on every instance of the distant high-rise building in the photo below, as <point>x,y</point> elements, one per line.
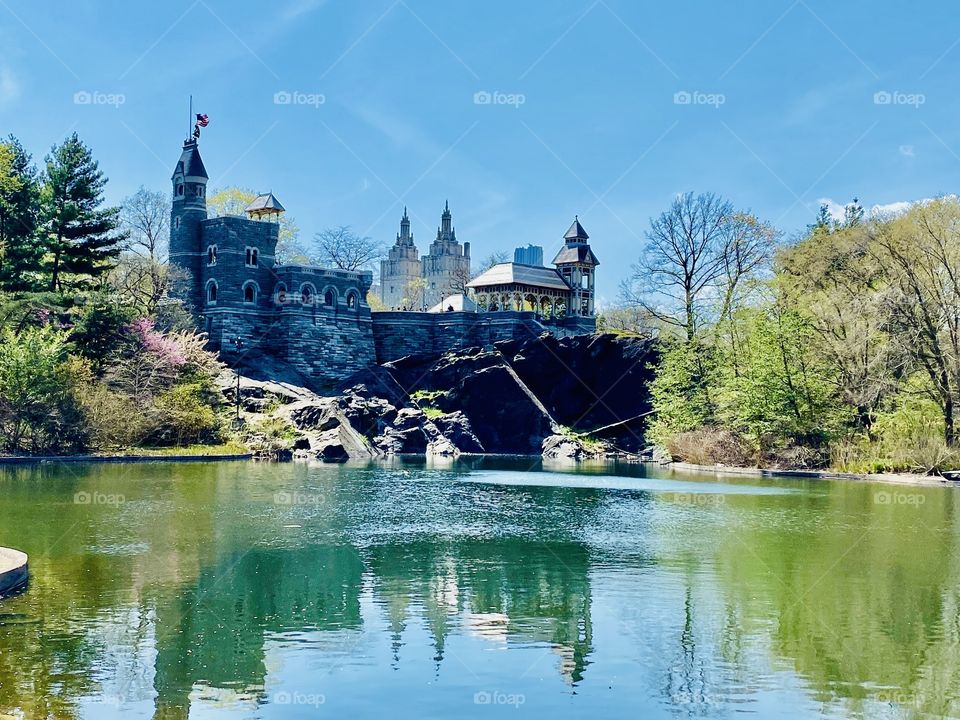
<point>530,255</point>
<point>410,282</point>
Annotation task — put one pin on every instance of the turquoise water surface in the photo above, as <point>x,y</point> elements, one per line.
<point>481,588</point>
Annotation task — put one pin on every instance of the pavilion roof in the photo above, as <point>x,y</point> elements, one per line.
<point>517,274</point>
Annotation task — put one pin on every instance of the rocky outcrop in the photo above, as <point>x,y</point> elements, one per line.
<point>564,398</point>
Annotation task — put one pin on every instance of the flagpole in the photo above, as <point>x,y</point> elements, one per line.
<point>190,117</point>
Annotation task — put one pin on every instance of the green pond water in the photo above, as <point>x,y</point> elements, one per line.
<point>484,588</point>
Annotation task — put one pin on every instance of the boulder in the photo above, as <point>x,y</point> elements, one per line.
<point>456,428</point>
<point>562,447</point>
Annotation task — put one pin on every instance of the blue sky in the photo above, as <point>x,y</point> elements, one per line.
<point>602,108</point>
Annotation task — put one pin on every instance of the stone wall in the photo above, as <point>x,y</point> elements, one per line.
<point>314,318</point>
<point>398,334</point>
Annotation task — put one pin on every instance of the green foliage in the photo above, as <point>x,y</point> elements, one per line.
<point>81,236</point>
<point>39,411</point>
<point>681,391</point>
<point>20,249</point>
<point>778,391</point>
<point>184,416</point>
<point>99,331</point>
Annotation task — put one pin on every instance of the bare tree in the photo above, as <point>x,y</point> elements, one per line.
<point>342,248</point>
<point>697,255</point>
<point>920,252</point>
<point>145,217</point>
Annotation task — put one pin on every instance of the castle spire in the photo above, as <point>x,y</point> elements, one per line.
<point>446,222</point>
<point>405,237</point>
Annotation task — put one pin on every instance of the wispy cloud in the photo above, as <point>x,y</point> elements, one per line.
<point>9,87</point>
<point>880,210</point>
<point>298,8</point>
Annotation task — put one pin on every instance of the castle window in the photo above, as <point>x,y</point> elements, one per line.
<point>212,293</point>
<point>282,294</point>
<point>250,292</point>
<point>328,298</point>
<point>176,223</point>
<point>351,300</point>
<point>211,254</point>
<point>198,190</point>
<point>585,281</point>
<point>180,189</point>
<point>306,295</point>
<point>251,257</point>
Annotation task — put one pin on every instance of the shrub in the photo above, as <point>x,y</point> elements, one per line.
<point>39,411</point>
<point>711,445</point>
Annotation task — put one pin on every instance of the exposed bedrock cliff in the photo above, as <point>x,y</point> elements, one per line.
<point>570,397</point>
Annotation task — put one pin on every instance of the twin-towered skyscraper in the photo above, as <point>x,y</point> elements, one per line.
<point>408,282</point>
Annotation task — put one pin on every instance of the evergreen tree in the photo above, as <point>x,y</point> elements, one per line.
<point>82,237</point>
<point>20,249</point>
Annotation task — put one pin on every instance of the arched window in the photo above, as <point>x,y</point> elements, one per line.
<point>251,258</point>
<point>329,298</point>
<point>176,223</point>
<point>212,293</point>
<point>250,293</point>
<point>306,295</point>
<point>211,254</point>
<point>180,189</point>
<point>281,294</point>
<point>351,301</point>
<point>198,190</point>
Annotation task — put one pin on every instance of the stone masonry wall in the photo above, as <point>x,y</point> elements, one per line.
<point>397,334</point>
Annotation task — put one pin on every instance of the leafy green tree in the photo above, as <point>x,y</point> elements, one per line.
<point>82,236</point>
<point>782,393</point>
<point>100,330</point>
<point>681,391</point>
<point>38,407</point>
<point>20,250</point>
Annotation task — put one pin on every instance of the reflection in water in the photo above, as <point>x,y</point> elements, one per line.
<point>243,587</point>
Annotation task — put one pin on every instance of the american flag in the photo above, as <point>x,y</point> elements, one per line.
<point>202,120</point>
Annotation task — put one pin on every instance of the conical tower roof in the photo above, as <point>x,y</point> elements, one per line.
<point>190,163</point>
<point>576,232</point>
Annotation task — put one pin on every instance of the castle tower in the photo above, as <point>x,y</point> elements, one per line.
<point>188,211</point>
<point>401,284</point>
<point>577,264</point>
<point>446,268</point>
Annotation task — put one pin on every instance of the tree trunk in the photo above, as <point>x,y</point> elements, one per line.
<point>949,434</point>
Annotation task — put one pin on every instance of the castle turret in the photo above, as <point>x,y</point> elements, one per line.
<point>577,264</point>
<point>188,210</point>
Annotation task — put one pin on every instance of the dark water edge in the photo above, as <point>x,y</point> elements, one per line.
<point>477,587</point>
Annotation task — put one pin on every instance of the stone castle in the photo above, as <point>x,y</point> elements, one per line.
<point>318,319</point>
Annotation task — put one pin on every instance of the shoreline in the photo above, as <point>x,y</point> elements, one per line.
<point>890,478</point>
<point>39,459</point>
